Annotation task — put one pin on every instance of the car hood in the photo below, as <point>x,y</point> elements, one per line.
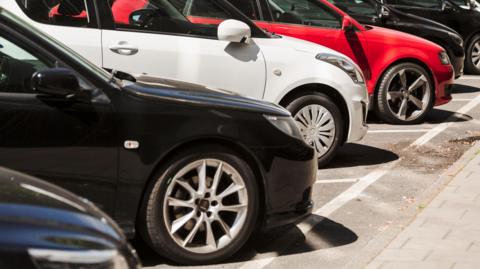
<point>156,88</point>
<point>306,46</point>
<point>27,201</point>
<point>393,38</point>
<point>422,21</point>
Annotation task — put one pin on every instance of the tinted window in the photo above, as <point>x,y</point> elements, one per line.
<point>17,67</point>
<point>247,7</point>
<point>188,17</point>
<point>359,7</point>
<point>307,12</point>
<point>417,3</point>
<point>59,12</point>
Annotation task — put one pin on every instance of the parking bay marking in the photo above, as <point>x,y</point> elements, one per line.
<point>340,180</point>
<point>356,189</point>
<point>398,131</point>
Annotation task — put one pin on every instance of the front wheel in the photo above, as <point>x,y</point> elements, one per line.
<point>321,124</point>
<point>405,94</point>
<point>472,59</point>
<point>202,208</point>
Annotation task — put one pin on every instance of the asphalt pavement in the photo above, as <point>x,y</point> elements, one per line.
<point>369,193</point>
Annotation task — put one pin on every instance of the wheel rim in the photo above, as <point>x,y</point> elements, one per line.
<point>409,94</point>
<point>317,126</point>
<point>205,206</point>
<point>476,54</point>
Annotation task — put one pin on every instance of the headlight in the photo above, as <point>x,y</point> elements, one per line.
<point>352,70</point>
<point>457,39</point>
<point>444,59</point>
<point>286,125</point>
<point>53,259</point>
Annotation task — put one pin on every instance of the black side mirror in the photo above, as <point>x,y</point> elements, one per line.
<point>384,12</point>
<point>140,17</point>
<point>59,82</point>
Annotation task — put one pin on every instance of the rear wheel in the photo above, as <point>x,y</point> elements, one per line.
<point>202,207</point>
<point>405,94</point>
<point>472,60</point>
<point>321,124</point>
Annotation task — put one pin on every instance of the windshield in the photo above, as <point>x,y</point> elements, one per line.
<point>78,58</point>
<point>307,12</point>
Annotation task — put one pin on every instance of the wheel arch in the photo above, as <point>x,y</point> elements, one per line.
<point>329,91</point>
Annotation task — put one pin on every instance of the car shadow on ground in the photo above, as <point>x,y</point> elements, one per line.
<point>462,88</point>
<point>283,241</point>
<point>352,155</point>
<point>435,116</point>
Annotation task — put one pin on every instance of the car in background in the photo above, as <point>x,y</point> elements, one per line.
<point>323,89</point>
<point>461,15</point>
<point>43,226</point>
<point>196,170</point>
<point>406,75</point>
<point>374,12</point>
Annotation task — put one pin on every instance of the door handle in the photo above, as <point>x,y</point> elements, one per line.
<point>123,48</point>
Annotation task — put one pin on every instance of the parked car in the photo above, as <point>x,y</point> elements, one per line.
<point>406,75</point>
<point>374,12</point>
<point>315,83</point>
<point>44,226</point>
<point>461,15</point>
<point>195,169</point>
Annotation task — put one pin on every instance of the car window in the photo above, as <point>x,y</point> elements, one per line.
<point>57,12</point>
<point>247,7</point>
<point>434,4</point>
<point>187,17</point>
<point>307,12</point>
<point>17,67</point>
<point>358,7</point>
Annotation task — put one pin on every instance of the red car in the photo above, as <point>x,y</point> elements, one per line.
<point>406,75</point>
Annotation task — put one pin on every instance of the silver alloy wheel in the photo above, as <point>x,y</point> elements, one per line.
<point>205,206</point>
<point>476,55</point>
<point>317,126</point>
<point>409,94</point>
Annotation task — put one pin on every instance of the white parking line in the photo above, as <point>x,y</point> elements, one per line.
<point>340,180</point>
<point>469,78</point>
<point>443,126</point>
<point>398,131</point>
<point>356,189</point>
<point>461,99</point>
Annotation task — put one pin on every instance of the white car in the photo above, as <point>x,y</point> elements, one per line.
<point>323,89</point>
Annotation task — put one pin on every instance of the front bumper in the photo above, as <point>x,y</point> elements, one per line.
<point>290,174</point>
<point>458,63</point>
<point>444,79</point>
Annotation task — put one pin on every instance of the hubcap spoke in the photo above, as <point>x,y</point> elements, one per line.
<point>216,178</point>
<point>194,231</point>
<point>402,113</point>
<point>416,102</point>
<point>202,178</point>
<point>180,222</point>
<point>417,84</point>
<point>403,79</point>
<point>230,190</point>
<point>393,95</point>
<point>210,237</point>
<point>233,208</point>
<point>186,186</point>
<point>180,203</point>
<point>224,226</point>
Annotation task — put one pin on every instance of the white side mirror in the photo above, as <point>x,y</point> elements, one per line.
<point>234,31</point>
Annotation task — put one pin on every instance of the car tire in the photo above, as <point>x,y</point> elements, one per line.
<point>328,118</point>
<point>472,56</point>
<point>405,94</point>
<point>162,224</point>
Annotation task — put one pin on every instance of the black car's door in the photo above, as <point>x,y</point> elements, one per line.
<point>436,10</point>
<point>68,142</point>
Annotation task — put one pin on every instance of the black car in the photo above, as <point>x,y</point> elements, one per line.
<point>374,12</point>
<point>461,15</point>
<point>194,169</point>
<point>43,226</point>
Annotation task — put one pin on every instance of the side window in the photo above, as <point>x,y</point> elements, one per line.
<point>359,7</point>
<point>17,67</point>
<point>419,3</point>
<point>247,7</point>
<point>307,12</point>
<point>59,12</point>
<point>184,17</point>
